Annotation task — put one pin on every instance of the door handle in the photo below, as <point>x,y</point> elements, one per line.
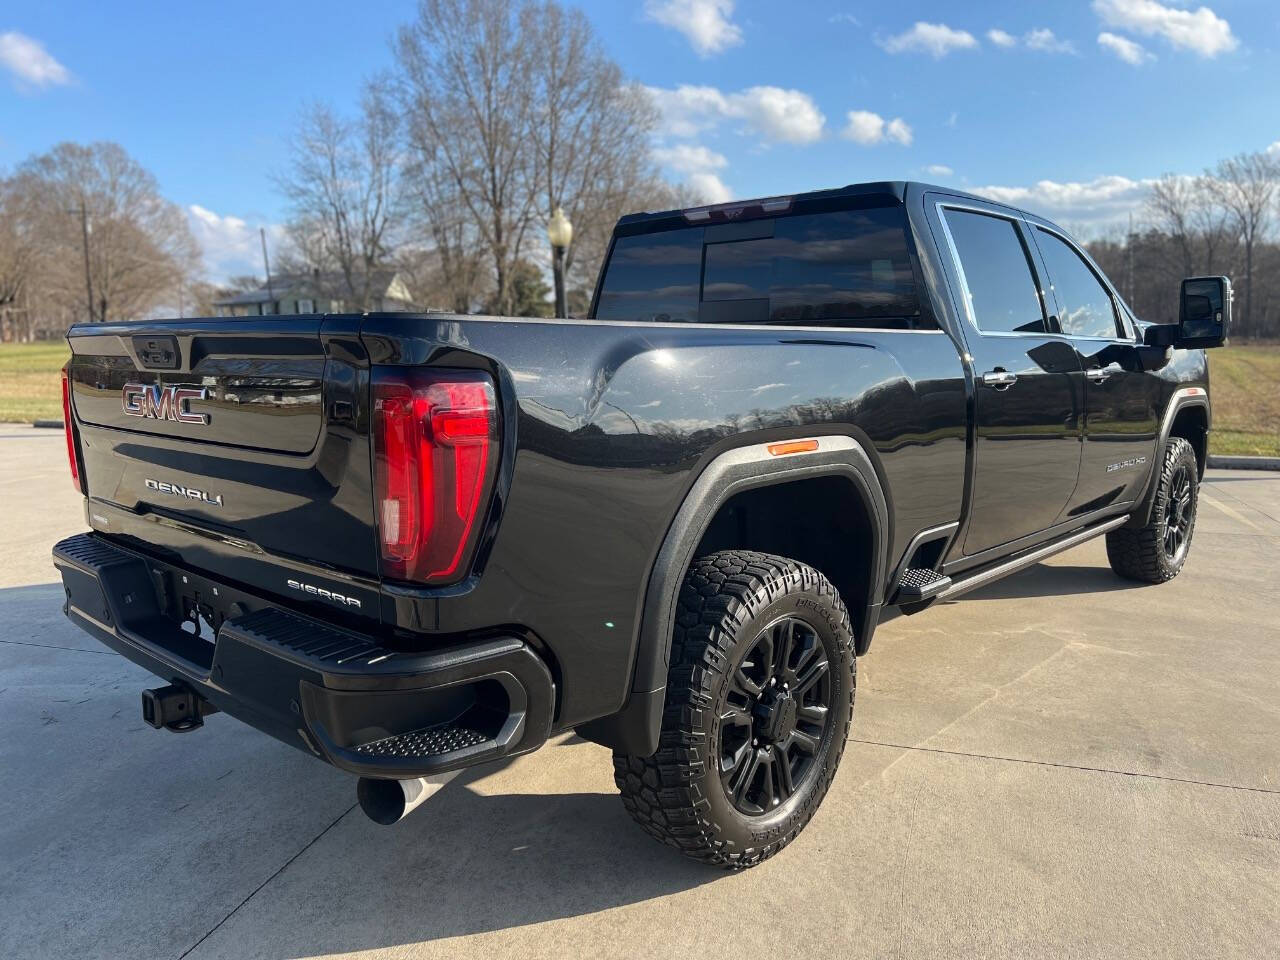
<point>1000,379</point>
<point>1098,374</point>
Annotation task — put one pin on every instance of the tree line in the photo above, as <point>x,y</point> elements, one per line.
<point>1220,222</point>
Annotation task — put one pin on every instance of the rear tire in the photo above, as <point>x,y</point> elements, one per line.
<point>1157,552</point>
<point>759,699</point>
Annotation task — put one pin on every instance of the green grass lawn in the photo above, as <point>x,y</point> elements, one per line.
<point>30,388</point>
<point>1245,383</point>
<point>1244,386</point>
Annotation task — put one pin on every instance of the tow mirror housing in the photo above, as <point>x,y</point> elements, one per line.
<point>1204,312</point>
<point>1204,316</point>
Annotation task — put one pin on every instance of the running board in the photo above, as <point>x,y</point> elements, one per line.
<point>963,584</point>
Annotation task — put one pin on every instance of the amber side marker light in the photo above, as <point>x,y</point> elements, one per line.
<point>793,446</point>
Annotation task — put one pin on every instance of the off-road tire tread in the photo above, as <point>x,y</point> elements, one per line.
<point>721,592</point>
<point>1137,553</point>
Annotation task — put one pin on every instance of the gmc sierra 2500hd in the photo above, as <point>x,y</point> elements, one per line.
<point>407,544</point>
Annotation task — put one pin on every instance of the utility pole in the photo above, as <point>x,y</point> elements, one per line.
<point>1129,251</point>
<point>88,280</point>
<point>266,265</point>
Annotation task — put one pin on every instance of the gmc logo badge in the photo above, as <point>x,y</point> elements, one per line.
<point>155,402</point>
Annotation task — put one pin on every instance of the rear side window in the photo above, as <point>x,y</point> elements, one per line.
<point>997,271</point>
<point>848,265</point>
<point>1084,305</point>
<point>654,276</point>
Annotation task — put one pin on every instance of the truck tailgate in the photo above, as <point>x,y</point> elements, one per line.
<point>238,439</point>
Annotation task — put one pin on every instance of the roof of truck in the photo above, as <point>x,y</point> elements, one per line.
<point>763,206</point>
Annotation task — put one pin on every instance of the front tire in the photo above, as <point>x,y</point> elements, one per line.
<point>759,699</point>
<point>1157,552</point>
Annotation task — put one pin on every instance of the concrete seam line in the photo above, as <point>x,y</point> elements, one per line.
<point>284,866</point>
<point>53,646</point>
<point>1067,766</point>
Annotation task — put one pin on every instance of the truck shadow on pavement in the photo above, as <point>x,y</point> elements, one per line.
<point>466,863</point>
<point>1046,580</point>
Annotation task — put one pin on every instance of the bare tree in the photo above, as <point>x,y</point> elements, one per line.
<point>1170,206</point>
<point>109,243</point>
<point>1210,220</point>
<point>345,187</point>
<point>1246,186</point>
<point>449,275</point>
<point>467,93</point>
<point>592,130</point>
<point>18,249</point>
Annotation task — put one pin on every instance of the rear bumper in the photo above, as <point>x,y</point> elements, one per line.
<point>337,694</point>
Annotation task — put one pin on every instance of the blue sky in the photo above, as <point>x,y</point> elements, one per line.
<point>1065,107</point>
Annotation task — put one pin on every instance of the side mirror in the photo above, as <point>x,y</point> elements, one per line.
<point>1204,313</point>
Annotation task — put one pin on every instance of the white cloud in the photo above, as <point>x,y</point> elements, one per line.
<point>935,39</point>
<point>1127,50</point>
<point>848,18</point>
<point>938,170</point>
<point>1043,40</point>
<point>709,187</point>
<point>231,245</point>
<point>30,62</point>
<point>1091,205</point>
<point>788,116</point>
<point>704,23</point>
<point>778,115</point>
<point>699,165</point>
<point>689,158</point>
<point>688,110</point>
<point>1274,149</point>
<point>1201,30</point>
<point>864,127</point>
<point>898,131</point>
<point>869,128</point>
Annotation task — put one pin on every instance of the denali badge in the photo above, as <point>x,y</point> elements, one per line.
<point>177,490</point>
<point>325,594</point>
<point>1125,464</point>
<point>163,403</point>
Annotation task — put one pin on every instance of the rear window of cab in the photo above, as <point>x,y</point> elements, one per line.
<point>831,268</point>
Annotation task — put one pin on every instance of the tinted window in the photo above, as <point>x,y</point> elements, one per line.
<point>653,277</point>
<point>1002,291</point>
<point>845,265</point>
<point>813,268</point>
<point>1084,305</point>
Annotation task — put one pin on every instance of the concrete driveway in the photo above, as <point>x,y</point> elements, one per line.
<point>1059,765</point>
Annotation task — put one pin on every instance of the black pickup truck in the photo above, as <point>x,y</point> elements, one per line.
<point>407,544</point>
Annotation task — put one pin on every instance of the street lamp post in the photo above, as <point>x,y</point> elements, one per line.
<point>560,233</point>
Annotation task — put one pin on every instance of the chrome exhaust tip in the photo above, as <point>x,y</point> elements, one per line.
<point>390,801</point>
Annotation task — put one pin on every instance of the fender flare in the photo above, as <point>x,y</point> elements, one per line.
<point>1179,400</point>
<point>635,728</point>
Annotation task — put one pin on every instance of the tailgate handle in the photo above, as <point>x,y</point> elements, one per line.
<point>157,353</point>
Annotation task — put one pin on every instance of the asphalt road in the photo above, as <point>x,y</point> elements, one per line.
<point>1061,764</point>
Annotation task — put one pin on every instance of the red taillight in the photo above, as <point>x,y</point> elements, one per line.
<point>435,435</point>
<point>69,428</point>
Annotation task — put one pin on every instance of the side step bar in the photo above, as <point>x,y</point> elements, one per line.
<point>962,584</point>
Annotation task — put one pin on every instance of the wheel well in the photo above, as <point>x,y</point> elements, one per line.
<point>1192,424</point>
<point>820,521</point>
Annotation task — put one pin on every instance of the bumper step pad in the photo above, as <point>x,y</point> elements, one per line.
<point>919,584</point>
<point>431,742</point>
